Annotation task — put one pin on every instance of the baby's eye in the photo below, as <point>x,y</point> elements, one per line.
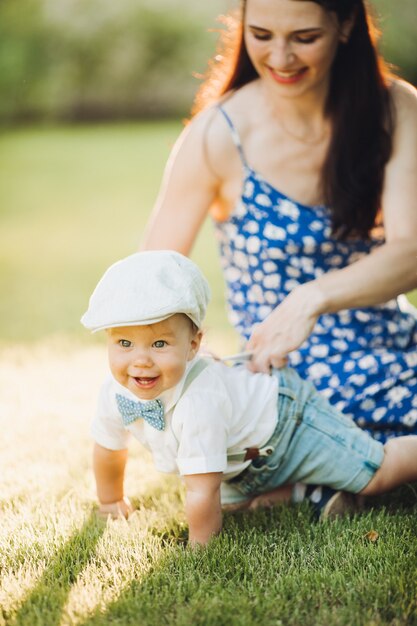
<point>160,343</point>
<point>125,343</point>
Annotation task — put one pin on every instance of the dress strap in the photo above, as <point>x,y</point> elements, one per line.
<point>235,135</point>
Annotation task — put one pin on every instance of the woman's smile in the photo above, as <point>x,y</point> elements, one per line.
<point>291,43</point>
<point>288,77</point>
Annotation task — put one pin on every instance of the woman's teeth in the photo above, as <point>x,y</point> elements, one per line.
<point>287,74</point>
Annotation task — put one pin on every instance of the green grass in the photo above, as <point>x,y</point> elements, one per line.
<point>71,202</point>
<point>59,565</point>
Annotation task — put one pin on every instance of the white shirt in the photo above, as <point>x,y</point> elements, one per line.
<point>223,411</point>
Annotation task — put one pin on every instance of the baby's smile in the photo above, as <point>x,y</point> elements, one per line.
<point>145,382</point>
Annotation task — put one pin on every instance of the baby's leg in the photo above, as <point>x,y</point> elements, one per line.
<point>237,506</point>
<point>399,466</point>
<point>264,500</point>
<point>270,498</point>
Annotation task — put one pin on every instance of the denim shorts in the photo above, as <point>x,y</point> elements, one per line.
<point>312,443</point>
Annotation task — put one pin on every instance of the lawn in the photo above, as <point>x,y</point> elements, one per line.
<point>59,565</point>
<point>72,200</point>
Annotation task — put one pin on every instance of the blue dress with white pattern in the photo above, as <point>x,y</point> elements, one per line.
<point>363,360</point>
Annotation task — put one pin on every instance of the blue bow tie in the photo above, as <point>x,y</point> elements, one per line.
<point>152,411</point>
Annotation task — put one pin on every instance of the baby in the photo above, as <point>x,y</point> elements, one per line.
<point>213,424</point>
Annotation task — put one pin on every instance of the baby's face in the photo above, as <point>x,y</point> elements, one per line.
<point>147,360</point>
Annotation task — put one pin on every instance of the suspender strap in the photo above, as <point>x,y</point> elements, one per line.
<point>249,453</point>
<point>193,373</point>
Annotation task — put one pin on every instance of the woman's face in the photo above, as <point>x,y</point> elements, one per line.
<point>292,44</point>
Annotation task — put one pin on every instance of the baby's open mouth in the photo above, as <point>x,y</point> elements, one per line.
<point>145,381</point>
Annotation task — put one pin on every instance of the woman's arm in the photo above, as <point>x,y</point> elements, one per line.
<point>189,188</point>
<point>387,272</point>
<point>202,506</point>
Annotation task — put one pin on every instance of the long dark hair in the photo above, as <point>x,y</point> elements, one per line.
<point>359,106</point>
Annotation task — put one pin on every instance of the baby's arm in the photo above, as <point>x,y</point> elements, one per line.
<point>109,469</point>
<point>203,507</point>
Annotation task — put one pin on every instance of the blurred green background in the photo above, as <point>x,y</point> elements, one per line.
<point>92,97</point>
<point>97,59</point>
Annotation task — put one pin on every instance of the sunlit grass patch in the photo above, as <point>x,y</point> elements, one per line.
<point>53,550</point>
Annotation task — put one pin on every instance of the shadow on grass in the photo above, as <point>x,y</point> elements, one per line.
<point>221,585</point>
<point>50,593</point>
<point>144,600</point>
<point>195,586</point>
<point>403,498</point>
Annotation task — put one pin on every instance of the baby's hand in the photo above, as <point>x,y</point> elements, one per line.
<point>121,508</point>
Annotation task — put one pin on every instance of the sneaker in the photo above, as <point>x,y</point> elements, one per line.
<point>328,503</point>
<point>341,503</point>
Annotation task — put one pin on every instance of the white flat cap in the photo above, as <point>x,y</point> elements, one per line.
<point>146,288</point>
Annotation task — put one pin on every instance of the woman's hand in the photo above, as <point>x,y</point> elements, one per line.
<point>285,329</point>
<point>121,508</point>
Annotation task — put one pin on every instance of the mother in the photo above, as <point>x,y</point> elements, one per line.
<point>304,152</point>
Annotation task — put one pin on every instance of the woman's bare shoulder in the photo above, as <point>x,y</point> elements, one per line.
<point>404,96</point>
<point>210,129</point>
<point>202,134</point>
<point>236,104</point>
<point>241,104</point>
